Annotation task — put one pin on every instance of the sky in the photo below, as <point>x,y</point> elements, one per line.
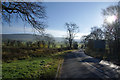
<point>84,14</point>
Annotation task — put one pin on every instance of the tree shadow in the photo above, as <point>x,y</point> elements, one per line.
<point>90,60</point>
<point>70,55</point>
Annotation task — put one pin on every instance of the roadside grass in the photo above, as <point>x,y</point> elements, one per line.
<point>94,54</point>
<point>11,54</point>
<point>36,67</point>
<point>107,56</point>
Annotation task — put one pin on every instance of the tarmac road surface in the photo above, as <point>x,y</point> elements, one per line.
<point>79,65</point>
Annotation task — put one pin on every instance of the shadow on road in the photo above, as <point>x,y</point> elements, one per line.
<point>70,55</point>
<point>79,65</point>
<point>90,60</point>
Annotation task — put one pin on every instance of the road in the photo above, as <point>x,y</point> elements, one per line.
<point>79,65</point>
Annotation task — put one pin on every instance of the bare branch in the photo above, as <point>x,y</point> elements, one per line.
<point>31,12</point>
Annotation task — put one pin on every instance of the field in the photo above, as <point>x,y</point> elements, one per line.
<point>37,59</point>
<point>34,67</point>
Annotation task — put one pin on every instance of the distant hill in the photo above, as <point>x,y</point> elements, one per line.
<point>20,37</point>
<point>27,37</point>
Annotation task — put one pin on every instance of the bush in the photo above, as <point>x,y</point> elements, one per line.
<point>75,45</point>
<point>25,53</point>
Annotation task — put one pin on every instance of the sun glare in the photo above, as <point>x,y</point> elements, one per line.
<point>111,19</point>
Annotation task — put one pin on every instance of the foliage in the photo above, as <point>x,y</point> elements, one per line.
<point>41,67</point>
<point>75,45</point>
<point>10,54</point>
<point>99,55</point>
<point>30,59</point>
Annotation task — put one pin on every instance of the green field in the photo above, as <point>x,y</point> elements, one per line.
<point>38,59</point>
<point>37,67</point>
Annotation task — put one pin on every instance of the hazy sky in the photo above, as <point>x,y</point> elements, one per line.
<point>84,14</point>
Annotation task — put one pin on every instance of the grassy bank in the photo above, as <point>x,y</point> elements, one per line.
<point>103,56</point>
<point>11,54</point>
<point>33,67</point>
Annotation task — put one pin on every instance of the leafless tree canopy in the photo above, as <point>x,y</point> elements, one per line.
<point>96,33</point>
<point>112,10</point>
<point>31,12</point>
<point>72,30</point>
<point>112,31</point>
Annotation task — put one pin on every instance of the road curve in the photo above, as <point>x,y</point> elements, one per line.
<point>79,65</point>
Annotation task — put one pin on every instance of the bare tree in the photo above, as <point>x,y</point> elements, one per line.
<point>72,30</point>
<point>112,31</point>
<point>30,12</point>
<point>96,33</point>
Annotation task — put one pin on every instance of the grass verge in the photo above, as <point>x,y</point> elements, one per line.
<point>36,67</point>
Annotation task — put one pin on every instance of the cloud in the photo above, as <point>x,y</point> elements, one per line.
<point>60,33</point>
<point>56,33</point>
<point>29,30</point>
<point>79,35</point>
